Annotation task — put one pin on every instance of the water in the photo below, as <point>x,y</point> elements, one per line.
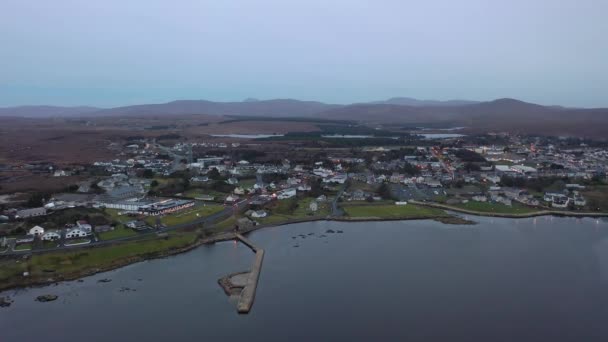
<point>537,279</point>
<point>247,136</point>
<point>440,135</point>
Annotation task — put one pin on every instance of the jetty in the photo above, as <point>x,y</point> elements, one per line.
<point>248,294</point>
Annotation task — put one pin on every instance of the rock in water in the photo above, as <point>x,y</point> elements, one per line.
<point>330,231</point>
<point>105,280</point>
<point>46,298</point>
<point>5,302</point>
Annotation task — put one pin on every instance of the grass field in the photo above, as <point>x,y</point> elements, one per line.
<point>77,261</point>
<point>23,247</point>
<point>487,207</point>
<point>117,233</point>
<point>192,214</point>
<point>597,197</point>
<point>391,211</point>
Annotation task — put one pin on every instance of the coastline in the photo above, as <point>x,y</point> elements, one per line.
<point>227,236</point>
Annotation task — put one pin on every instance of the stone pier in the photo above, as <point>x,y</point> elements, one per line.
<point>248,294</point>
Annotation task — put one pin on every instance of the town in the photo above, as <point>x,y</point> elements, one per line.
<point>155,187</point>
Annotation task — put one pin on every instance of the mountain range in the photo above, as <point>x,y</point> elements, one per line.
<point>502,114</point>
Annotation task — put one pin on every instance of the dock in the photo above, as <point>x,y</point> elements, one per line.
<point>248,294</point>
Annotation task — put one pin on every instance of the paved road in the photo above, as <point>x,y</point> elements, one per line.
<point>335,209</point>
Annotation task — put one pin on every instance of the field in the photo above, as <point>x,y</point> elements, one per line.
<point>23,247</point>
<point>284,210</point>
<point>597,197</point>
<point>487,207</point>
<point>41,266</point>
<point>391,211</point>
<point>191,214</point>
<point>117,233</point>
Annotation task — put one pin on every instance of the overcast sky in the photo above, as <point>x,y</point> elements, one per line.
<point>120,52</point>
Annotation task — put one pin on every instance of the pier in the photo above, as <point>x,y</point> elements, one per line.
<point>248,294</point>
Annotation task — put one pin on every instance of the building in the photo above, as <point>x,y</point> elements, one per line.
<point>51,235</point>
<point>33,212</point>
<point>103,228</point>
<point>36,231</point>
<point>76,233</point>
<point>313,206</point>
<point>166,207</point>
<point>287,193</point>
<point>259,214</point>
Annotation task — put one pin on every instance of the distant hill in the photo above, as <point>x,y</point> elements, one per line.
<point>499,115</point>
<point>278,108</point>
<point>408,101</point>
<point>45,111</point>
<point>507,115</point>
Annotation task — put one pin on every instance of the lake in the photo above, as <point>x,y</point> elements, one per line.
<point>247,136</point>
<point>536,279</point>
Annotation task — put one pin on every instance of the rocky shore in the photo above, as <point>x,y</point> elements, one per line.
<point>233,284</point>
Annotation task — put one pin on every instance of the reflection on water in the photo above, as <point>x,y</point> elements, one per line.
<point>534,279</point>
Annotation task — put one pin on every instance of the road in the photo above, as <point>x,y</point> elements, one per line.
<point>335,209</point>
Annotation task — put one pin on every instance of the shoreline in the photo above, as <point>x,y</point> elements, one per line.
<point>511,215</point>
<point>228,236</point>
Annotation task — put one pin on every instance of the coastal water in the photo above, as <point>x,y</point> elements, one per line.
<point>537,279</point>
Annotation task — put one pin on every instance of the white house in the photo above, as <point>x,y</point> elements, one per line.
<point>51,235</point>
<point>84,226</point>
<point>36,231</point>
<point>287,193</point>
<point>259,214</point>
<point>313,206</point>
<point>76,233</point>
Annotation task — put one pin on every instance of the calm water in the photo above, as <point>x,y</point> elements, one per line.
<point>543,279</point>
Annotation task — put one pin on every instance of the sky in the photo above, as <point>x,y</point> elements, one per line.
<point>116,52</point>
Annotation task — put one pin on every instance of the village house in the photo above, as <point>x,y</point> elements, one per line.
<point>313,206</point>
<point>36,231</point>
<point>76,233</point>
<point>103,228</point>
<point>287,193</point>
<point>33,212</point>
<point>51,235</point>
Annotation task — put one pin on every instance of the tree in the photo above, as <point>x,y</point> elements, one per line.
<point>385,191</point>
<point>214,174</point>
<point>37,200</point>
<point>154,183</point>
<point>148,173</point>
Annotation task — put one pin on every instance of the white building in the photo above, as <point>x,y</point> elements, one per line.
<point>51,235</point>
<point>287,193</point>
<point>36,231</point>
<point>75,233</point>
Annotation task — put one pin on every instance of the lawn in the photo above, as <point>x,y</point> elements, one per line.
<point>488,207</point>
<point>284,210</point>
<point>98,257</point>
<point>23,247</point>
<point>50,244</point>
<point>118,232</point>
<point>391,211</point>
<point>192,214</point>
<point>597,197</point>
<point>77,241</point>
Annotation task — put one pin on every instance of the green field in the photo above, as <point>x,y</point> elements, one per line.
<point>118,232</point>
<point>84,259</point>
<point>23,247</point>
<point>487,207</point>
<point>190,215</point>
<point>391,211</point>
<point>283,211</point>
